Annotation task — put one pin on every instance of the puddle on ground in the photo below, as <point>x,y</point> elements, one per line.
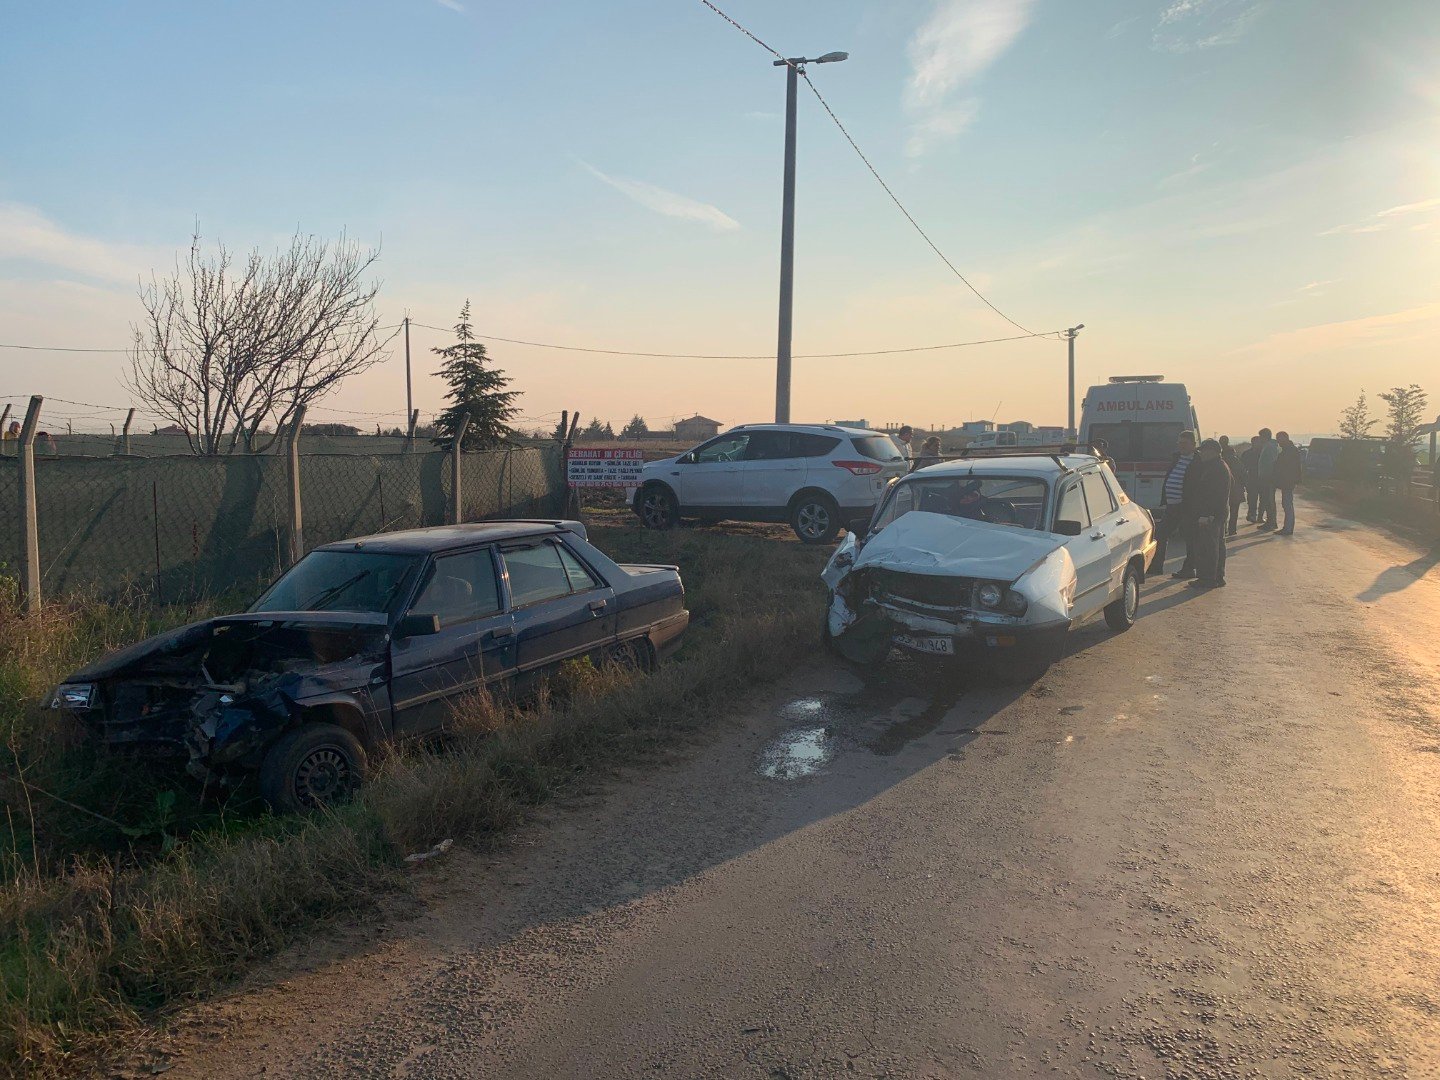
<point>799,753</point>
<point>895,737</point>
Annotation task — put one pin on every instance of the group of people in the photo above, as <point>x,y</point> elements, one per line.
<point>928,454</point>
<point>1204,489</point>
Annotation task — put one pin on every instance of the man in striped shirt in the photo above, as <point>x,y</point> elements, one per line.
<point>1177,516</point>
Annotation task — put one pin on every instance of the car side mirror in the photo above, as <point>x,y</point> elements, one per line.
<point>417,626</point>
<point>1069,528</point>
<point>685,459</point>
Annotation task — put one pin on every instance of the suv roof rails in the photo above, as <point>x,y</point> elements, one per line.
<point>1053,450</point>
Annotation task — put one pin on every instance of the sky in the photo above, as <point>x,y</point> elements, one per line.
<point>1243,195</point>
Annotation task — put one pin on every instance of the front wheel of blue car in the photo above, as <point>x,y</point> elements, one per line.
<point>312,766</point>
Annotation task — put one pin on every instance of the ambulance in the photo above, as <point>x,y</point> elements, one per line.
<point>1138,417</point>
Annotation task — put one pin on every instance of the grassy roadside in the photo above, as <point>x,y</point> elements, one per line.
<point>93,944</point>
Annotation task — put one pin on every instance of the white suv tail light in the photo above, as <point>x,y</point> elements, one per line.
<point>859,468</point>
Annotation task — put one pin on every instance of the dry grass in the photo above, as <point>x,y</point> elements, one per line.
<point>93,944</point>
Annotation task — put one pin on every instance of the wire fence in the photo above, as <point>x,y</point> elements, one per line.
<point>180,527</point>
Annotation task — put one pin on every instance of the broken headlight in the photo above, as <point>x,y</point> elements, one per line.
<point>76,697</point>
<point>995,596</point>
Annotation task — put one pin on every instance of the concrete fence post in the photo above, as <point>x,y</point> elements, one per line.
<point>410,431</point>
<point>125,433</point>
<point>29,518</point>
<point>457,508</point>
<point>4,419</point>
<point>292,459</point>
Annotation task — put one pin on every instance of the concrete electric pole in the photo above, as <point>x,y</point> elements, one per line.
<point>794,67</point>
<point>1071,433</point>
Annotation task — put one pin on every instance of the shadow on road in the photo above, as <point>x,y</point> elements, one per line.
<point>1400,577</point>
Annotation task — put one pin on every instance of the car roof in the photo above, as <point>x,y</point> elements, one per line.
<point>1044,465</point>
<point>445,537</point>
<point>810,427</point>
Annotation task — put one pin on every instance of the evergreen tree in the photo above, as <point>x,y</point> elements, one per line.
<point>594,431</point>
<point>1356,421</point>
<point>635,429</point>
<point>609,431</point>
<point>476,388</point>
<point>1406,408</point>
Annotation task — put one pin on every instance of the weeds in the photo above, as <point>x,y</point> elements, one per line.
<point>92,944</point>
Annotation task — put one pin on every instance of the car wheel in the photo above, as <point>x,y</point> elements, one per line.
<point>815,518</point>
<point>659,508</point>
<point>1120,613</point>
<point>312,766</point>
<point>636,655</point>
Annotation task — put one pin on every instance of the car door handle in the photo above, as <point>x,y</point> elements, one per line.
<point>1123,521</point>
<point>502,632</point>
<point>675,473</point>
<point>598,606</point>
<point>1097,536</point>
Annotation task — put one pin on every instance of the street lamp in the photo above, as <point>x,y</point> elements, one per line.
<point>793,69</point>
<point>1071,433</point>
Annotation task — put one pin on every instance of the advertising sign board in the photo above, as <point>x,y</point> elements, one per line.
<point>589,468</point>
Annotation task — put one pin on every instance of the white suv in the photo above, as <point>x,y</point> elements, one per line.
<point>817,477</point>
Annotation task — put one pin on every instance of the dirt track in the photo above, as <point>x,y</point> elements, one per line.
<point>1209,847</point>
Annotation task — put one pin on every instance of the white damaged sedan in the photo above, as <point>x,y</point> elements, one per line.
<point>1004,552</point>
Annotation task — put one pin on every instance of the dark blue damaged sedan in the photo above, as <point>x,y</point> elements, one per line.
<point>373,641</point>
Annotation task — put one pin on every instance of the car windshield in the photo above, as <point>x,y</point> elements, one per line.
<point>340,581</point>
<point>1003,500</point>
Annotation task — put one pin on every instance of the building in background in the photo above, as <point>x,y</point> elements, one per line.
<point>696,429</point>
<point>977,427</point>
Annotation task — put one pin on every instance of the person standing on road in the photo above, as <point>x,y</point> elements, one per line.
<point>1177,516</point>
<point>1209,485</point>
<point>905,437</point>
<point>1265,476</point>
<point>1250,470</point>
<point>1289,472</point>
<point>929,453</point>
<point>1237,482</point>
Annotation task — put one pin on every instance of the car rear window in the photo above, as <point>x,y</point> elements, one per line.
<point>877,447</point>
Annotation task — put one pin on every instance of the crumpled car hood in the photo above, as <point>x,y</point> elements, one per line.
<point>121,662</point>
<point>924,543</point>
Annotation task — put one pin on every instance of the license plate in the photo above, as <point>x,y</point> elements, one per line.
<point>937,646</point>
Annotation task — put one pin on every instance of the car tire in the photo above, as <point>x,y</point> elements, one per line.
<point>636,655</point>
<point>1120,613</point>
<point>312,766</point>
<point>815,517</point>
<point>659,509</point>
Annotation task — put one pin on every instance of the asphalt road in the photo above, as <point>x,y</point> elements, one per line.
<point>1209,847</point>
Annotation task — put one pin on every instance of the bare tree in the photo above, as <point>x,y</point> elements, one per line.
<point>225,348</point>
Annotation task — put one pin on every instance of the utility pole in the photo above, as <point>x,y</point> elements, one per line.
<point>794,68</point>
<point>409,402</point>
<point>1071,433</point>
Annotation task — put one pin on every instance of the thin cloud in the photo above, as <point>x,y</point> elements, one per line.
<point>1411,208</point>
<point>949,52</point>
<point>27,235</point>
<point>1388,328</point>
<point>667,203</point>
<point>453,5</point>
<point>1381,223</point>
<point>1196,25</point>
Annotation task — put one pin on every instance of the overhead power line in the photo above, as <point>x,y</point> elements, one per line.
<point>748,356</point>
<point>876,174</point>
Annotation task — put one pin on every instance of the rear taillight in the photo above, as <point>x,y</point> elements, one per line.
<point>859,468</point>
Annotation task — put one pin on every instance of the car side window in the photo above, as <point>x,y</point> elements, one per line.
<point>1113,483</point>
<point>1072,506</point>
<point>460,588</point>
<point>808,444</point>
<point>580,578</point>
<point>725,448</point>
<point>770,446</point>
<point>536,573</point>
<point>1097,495</point>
